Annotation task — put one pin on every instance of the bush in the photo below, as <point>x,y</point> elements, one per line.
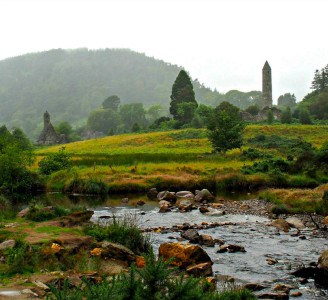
<point>252,153</point>
<point>280,209</point>
<point>124,231</point>
<point>40,213</point>
<point>155,281</point>
<point>54,162</point>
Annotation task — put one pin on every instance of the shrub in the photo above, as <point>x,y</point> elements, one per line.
<point>40,213</point>
<point>54,162</point>
<point>252,153</point>
<point>155,281</point>
<point>124,231</point>
<point>280,209</point>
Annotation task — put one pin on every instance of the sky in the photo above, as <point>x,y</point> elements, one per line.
<point>224,44</point>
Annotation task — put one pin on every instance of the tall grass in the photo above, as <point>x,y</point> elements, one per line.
<point>155,281</point>
<point>124,231</point>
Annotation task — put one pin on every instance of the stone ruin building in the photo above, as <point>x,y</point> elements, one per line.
<point>266,101</point>
<point>49,136</point>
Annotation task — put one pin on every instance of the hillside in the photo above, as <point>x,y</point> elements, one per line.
<point>70,83</point>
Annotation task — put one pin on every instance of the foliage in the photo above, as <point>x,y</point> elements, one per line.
<point>290,146</point>
<point>252,154</point>
<point>286,116</point>
<point>104,120</point>
<point>183,102</point>
<point>53,162</point>
<point>124,231</point>
<point>304,116</point>
<point>270,117</point>
<point>131,114</point>
<point>112,102</point>
<point>15,158</point>
<point>253,110</point>
<point>156,281</point>
<point>287,100</point>
<point>135,127</point>
<point>71,83</point>
<point>267,166</point>
<point>243,100</point>
<point>40,213</point>
<point>320,80</point>
<point>225,128</point>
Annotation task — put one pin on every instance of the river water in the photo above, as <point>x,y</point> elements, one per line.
<point>254,233</point>
<point>260,240</point>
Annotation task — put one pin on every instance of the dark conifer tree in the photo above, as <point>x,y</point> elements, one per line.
<point>182,92</point>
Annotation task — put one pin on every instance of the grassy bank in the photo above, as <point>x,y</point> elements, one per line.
<point>179,159</point>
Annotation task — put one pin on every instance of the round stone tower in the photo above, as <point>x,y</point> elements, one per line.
<point>266,86</point>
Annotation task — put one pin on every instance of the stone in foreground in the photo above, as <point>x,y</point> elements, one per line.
<point>184,255</point>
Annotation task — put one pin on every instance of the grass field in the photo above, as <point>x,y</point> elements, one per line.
<point>173,159</point>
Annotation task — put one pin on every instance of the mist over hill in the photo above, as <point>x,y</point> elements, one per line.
<point>70,83</point>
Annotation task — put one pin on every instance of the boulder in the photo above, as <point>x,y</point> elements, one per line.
<point>125,200</point>
<point>203,209</point>
<point>325,220</point>
<point>200,270</point>
<point>281,224</point>
<point>203,195</point>
<point>152,194</point>
<point>185,205</point>
<point>215,212</point>
<point>164,209</point>
<point>191,235</point>
<point>231,248</point>
<point>184,255</point>
<point>185,194</point>
<point>168,196</point>
<point>77,218</point>
<point>141,202</point>
<point>280,287</point>
<point>295,222</point>
<point>281,296</point>
<point>206,240</point>
<point>73,243</point>
<point>23,213</point>
<point>254,286</point>
<point>296,294</point>
<point>323,262</point>
<point>8,244</point>
<point>117,251</point>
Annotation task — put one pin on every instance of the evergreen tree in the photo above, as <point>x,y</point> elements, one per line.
<point>183,92</point>
<point>225,128</point>
<point>270,116</point>
<point>304,116</point>
<point>286,116</point>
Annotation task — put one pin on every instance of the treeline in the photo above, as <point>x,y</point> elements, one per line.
<point>71,83</point>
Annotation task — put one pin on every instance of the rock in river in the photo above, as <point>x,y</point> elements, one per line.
<point>295,222</point>
<point>184,254</point>
<point>191,235</point>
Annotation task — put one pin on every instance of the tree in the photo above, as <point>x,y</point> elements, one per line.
<point>270,116</point>
<point>15,158</point>
<point>135,127</point>
<point>253,110</point>
<point>64,128</point>
<point>183,92</point>
<point>304,116</point>
<point>320,80</point>
<point>104,120</point>
<point>154,112</point>
<point>133,113</point>
<point>287,100</point>
<point>112,102</point>
<point>225,128</point>
<point>286,116</point>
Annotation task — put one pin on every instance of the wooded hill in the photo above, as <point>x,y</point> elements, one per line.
<point>71,83</point>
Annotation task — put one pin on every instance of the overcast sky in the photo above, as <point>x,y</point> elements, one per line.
<point>222,43</point>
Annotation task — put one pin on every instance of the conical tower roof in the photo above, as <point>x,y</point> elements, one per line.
<point>266,65</point>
